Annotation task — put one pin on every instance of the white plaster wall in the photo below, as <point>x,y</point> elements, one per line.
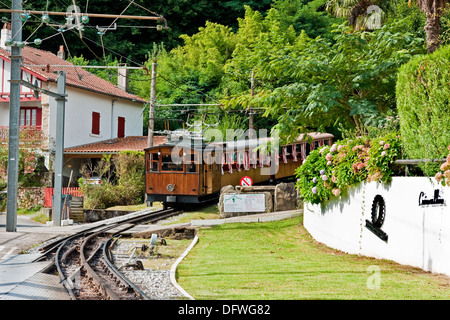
<point>78,116</point>
<point>417,235</point>
<point>4,114</point>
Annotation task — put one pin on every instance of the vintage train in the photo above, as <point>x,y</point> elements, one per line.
<point>178,173</point>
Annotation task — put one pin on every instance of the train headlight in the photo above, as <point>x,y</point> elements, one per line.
<point>170,187</point>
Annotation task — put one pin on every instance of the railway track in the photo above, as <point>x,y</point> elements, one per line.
<point>83,260</point>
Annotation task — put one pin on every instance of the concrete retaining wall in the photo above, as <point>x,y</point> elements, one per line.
<point>417,235</point>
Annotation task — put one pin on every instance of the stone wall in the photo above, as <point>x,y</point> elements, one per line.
<point>30,197</point>
<point>282,197</point>
<point>94,215</point>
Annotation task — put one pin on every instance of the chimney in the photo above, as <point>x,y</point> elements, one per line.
<point>61,54</point>
<point>122,78</point>
<point>6,34</point>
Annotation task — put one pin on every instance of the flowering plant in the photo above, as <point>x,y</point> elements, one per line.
<point>330,170</point>
<point>443,176</point>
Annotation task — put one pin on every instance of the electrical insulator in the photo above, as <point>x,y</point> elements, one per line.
<point>38,41</point>
<point>84,19</point>
<point>45,18</point>
<point>9,42</point>
<point>159,27</point>
<point>24,16</point>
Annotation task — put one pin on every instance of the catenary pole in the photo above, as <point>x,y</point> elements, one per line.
<point>14,114</point>
<point>59,145</point>
<point>151,113</point>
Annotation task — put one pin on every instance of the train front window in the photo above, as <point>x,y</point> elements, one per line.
<point>153,159</point>
<point>168,165</point>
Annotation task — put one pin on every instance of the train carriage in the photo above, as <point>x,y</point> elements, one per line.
<point>195,172</point>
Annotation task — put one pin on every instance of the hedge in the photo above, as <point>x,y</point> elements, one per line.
<point>423,92</point>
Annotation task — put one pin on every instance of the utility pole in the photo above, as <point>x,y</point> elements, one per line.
<point>151,113</point>
<point>250,113</point>
<point>59,153</point>
<point>14,114</point>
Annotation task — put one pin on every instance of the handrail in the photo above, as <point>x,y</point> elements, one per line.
<point>417,161</point>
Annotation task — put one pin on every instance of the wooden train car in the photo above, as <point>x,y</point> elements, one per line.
<point>196,172</point>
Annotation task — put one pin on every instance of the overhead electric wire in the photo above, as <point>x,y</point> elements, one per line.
<point>105,48</point>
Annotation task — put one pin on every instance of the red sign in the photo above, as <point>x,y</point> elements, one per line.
<point>246,181</point>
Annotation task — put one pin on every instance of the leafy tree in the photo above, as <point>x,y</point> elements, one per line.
<point>356,11</point>
<point>308,16</point>
<point>423,106</point>
<point>133,39</point>
<point>349,83</point>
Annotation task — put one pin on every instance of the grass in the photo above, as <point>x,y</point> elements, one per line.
<point>137,207</point>
<point>35,213</point>
<point>280,261</point>
<point>201,213</point>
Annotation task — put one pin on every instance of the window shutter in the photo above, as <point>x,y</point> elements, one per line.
<point>121,127</point>
<point>95,123</point>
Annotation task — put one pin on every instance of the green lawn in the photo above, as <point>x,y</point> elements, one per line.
<point>280,261</point>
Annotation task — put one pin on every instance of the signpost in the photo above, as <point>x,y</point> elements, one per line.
<point>238,202</point>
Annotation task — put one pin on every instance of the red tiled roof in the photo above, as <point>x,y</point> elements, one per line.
<point>131,143</point>
<point>75,76</point>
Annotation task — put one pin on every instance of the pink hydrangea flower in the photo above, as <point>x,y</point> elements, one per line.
<point>333,148</point>
<point>386,146</point>
<point>336,191</point>
<point>383,153</point>
<point>447,174</point>
<point>329,157</point>
<point>438,177</point>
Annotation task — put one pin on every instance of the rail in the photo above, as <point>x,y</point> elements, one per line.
<point>407,162</point>
<point>78,258</point>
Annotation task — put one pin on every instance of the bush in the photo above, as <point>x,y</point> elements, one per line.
<point>129,189</point>
<point>423,94</point>
<point>330,171</point>
<point>443,176</point>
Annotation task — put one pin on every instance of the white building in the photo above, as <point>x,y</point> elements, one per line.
<point>95,109</point>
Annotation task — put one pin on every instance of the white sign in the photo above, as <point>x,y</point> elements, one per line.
<point>237,202</point>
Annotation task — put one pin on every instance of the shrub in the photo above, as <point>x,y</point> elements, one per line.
<point>443,176</point>
<point>129,189</point>
<point>423,94</point>
<point>331,170</point>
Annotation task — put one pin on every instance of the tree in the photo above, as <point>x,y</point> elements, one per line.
<point>434,10</point>
<point>309,16</point>
<point>320,85</point>
<point>356,10</point>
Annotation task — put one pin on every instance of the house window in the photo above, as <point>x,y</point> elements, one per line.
<point>95,123</point>
<point>31,117</point>
<point>121,127</point>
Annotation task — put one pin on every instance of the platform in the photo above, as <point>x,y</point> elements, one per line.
<point>22,279</point>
